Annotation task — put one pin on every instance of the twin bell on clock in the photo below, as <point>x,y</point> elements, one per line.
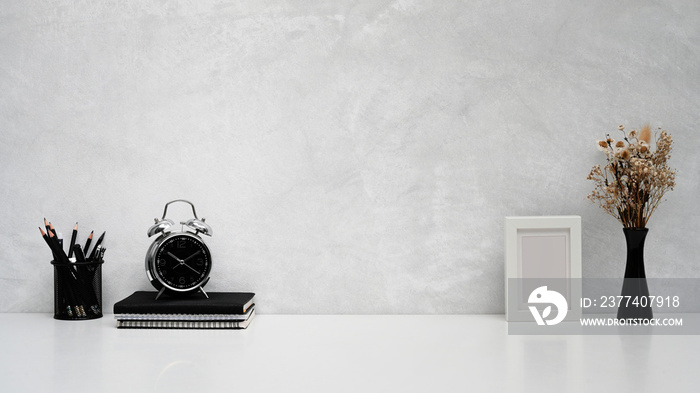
<point>178,262</point>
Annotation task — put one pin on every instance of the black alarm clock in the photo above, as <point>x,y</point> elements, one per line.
<point>179,262</point>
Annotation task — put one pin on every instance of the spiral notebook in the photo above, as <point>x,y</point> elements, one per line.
<point>185,323</point>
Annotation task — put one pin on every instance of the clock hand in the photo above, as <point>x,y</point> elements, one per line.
<point>178,260</point>
<point>191,268</point>
<point>173,256</point>
<point>192,256</point>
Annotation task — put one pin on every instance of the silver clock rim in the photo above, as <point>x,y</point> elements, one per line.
<point>155,279</point>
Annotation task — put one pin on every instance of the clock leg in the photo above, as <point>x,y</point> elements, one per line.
<point>203,293</point>
<point>160,293</point>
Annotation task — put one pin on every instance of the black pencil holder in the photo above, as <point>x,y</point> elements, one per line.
<point>77,290</point>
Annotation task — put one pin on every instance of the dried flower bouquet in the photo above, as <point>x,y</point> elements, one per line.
<point>633,182</point>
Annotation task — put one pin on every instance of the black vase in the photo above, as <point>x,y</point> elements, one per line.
<point>635,292</point>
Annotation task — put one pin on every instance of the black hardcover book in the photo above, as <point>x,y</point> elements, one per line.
<point>144,302</point>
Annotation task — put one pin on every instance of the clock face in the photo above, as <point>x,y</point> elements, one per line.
<point>182,262</point>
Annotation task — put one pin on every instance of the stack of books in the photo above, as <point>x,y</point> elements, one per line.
<point>222,310</point>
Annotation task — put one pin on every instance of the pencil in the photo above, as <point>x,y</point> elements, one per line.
<point>87,243</point>
<point>97,244</point>
<point>46,225</point>
<point>48,242</point>
<point>72,240</point>
<point>58,250</point>
<point>46,238</point>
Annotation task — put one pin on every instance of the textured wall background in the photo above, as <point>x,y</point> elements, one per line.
<point>351,156</point>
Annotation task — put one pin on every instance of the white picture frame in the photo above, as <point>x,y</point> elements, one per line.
<point>542,250</point>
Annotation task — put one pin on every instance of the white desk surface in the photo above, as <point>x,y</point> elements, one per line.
<point>335,353</point>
